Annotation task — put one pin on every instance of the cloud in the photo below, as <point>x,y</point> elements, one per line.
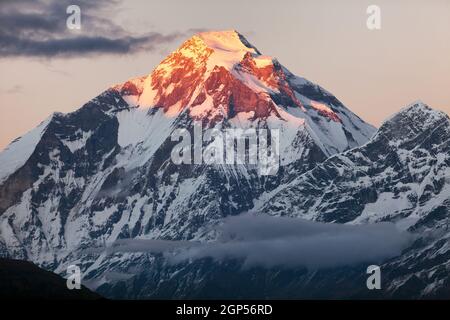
<point>143,245</point>
<point>38,29</point>
<point>280,241</point>
<point>259,240</point>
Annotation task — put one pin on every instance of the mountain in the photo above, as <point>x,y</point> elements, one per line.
<point>104,172</point>
<point>90,187</point>
<point>23,280</point>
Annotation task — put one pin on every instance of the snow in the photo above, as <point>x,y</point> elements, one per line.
<point>263,61</point>
<point>141,134</point>
<point>77,144</point>
<point>418,111</point>
<point>228,48</point>
<point>19,151</point>
<point>321,107</point>
<point>8,236</point>
<point>252,82</point>
<point>299,81</point>
<point>146,99</point>
<point>137,126</point>
<point>228,40</point>
<point>101,217</point>
<point>387,204</point>
<point>132,101</point>
<point>202,109</point>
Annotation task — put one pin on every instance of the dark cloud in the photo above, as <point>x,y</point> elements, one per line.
<point>266,241</point>
<point>38,29</point>
<point>81,45</point>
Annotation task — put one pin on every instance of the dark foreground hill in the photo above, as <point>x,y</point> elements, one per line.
<point>24,280</point>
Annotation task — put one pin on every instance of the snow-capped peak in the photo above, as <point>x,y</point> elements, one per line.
<point>229,40</point>
<point>411,120</point>
<point>192,64</point>
<point>217,48</point>
<point>219,75</point>
<point>418,113</point>
<point>417,109</point>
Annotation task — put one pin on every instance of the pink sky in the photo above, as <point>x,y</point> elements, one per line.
<point>374,73</point>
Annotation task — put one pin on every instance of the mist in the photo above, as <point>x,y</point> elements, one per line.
<point>266,241</point>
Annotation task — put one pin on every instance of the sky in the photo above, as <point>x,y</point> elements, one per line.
<point>46,67</point>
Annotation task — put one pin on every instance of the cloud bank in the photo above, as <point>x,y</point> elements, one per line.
<point>38,29</point>
<point>266,241</point>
